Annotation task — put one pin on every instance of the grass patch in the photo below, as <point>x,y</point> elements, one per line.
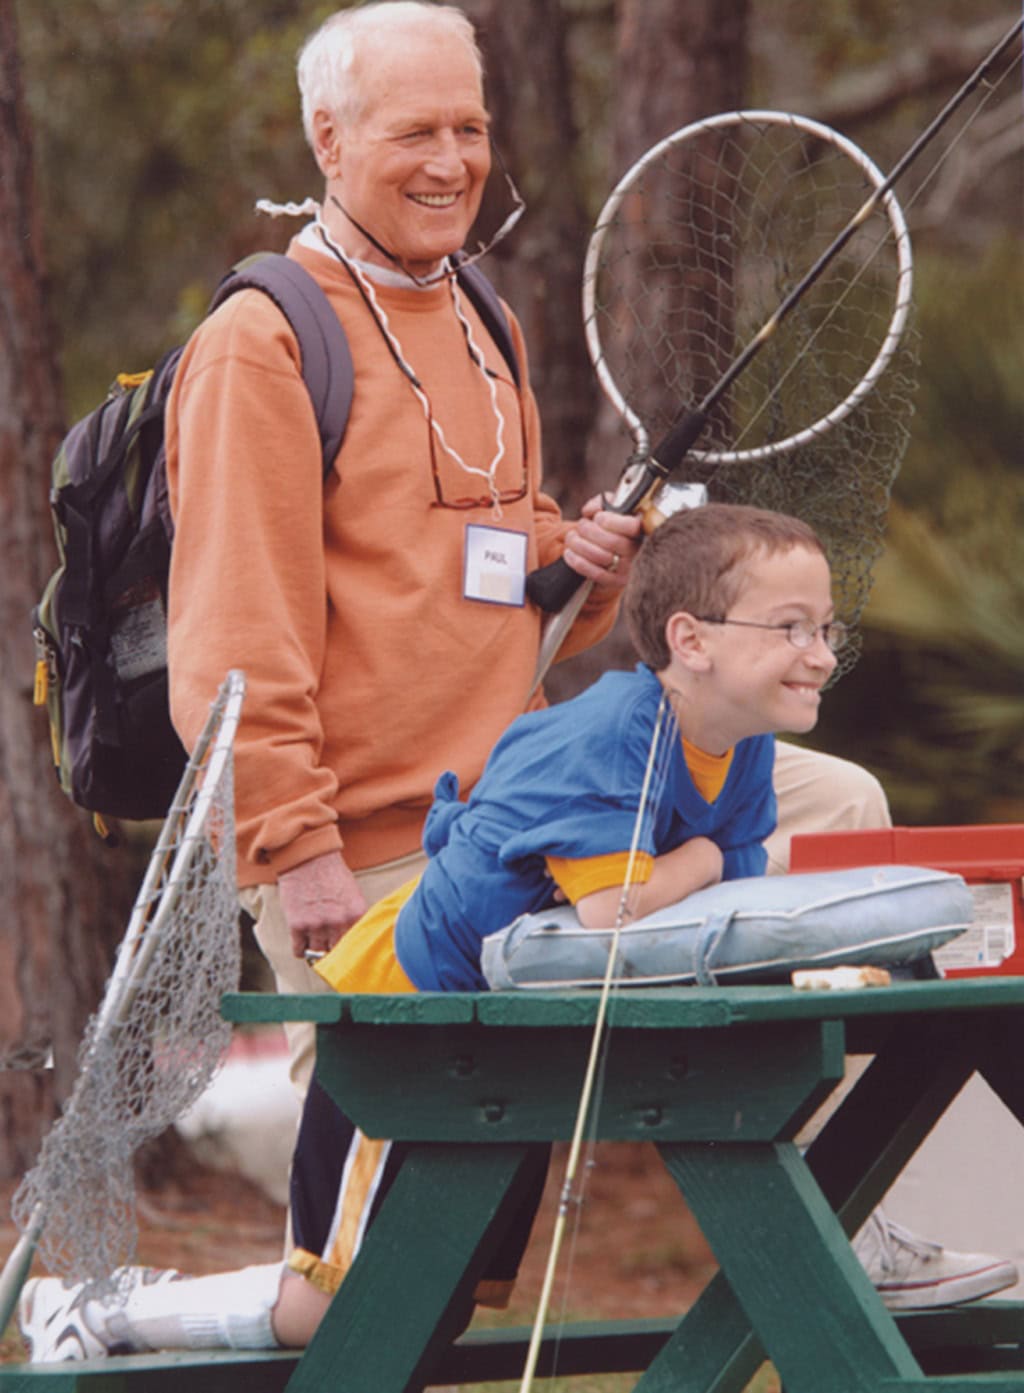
<point>766,1381</point>
<point>12,1346</point>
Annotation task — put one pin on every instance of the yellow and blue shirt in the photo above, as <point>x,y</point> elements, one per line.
<point>555,806</point>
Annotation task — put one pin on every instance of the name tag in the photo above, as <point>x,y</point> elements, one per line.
<point>495,568</point>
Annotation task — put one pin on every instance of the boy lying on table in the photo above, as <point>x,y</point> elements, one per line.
<point>731,612</point>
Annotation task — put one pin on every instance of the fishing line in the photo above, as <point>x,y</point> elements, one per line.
<point>598,1043</point>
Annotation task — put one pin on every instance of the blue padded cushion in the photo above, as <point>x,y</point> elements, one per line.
<point>757,929</point>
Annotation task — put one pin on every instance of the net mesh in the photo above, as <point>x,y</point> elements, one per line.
<point>707,240</point>
<point>158,1036</point>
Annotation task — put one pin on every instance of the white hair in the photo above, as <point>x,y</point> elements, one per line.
<point>328,71</point>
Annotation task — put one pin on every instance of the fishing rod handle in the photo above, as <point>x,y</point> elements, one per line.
<point>551,587</point>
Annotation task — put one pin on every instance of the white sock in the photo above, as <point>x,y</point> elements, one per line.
<point>227,1310</point>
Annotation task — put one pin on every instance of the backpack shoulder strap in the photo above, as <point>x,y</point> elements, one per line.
<point>326,358</point>
<point>490,309</point>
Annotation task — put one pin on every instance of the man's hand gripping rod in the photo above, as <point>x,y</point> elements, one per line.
<point>645,489</point>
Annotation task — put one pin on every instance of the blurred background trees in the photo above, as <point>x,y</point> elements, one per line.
<point>64,900</point>
<point>157,124</point>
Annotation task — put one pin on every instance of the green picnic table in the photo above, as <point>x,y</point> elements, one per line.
<point>720,1080</point>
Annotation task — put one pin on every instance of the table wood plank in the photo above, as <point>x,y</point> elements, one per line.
<point>474,1083</point>
<point>643,1007</point>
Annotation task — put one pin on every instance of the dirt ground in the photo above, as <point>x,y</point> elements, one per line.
<point>636,1251</point>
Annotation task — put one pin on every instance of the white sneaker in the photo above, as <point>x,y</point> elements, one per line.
<point>52,1316</point>
<point>912,1273</point>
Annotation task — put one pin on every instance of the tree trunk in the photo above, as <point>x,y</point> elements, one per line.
<point>64,898</point>
<point>538,269</point>
<point>676,61</point>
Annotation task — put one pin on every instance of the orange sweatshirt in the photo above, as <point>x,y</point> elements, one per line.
<point>368,671</point>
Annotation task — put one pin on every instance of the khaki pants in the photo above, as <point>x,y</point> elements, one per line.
<point>820,793</point>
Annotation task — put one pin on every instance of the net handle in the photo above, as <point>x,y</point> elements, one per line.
<point>209,758</point>
<point>142,936</point>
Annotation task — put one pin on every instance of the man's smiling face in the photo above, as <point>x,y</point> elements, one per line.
<point>412,166</point>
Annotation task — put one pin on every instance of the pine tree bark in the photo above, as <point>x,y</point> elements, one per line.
<point>538,268</point>
<point>64,897</point>
<point>676,61</point>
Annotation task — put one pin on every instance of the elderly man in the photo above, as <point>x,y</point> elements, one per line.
<point>379,646</point>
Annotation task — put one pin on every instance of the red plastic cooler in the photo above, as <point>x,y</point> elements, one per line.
<point>990,858</point>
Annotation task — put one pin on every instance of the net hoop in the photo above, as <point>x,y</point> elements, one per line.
<point>890,341</point>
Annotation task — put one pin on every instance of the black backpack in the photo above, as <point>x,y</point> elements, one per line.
<point>100,628</point>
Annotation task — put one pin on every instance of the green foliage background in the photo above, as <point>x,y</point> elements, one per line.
<point>159,122</point>
<point>936,704</point>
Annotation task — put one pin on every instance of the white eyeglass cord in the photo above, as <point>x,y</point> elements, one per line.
<point>489,475</point>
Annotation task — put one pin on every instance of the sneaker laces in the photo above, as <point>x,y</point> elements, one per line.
<point>890,1236</point>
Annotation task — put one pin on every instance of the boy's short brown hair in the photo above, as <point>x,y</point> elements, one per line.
<point>694,562</point>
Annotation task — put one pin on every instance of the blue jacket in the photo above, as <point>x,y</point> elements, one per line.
<point>566,782</point>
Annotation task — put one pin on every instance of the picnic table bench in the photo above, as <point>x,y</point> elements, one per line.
<point>720,1080</point>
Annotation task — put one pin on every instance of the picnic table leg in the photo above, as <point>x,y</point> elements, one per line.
<point>855,1158</point>
<point>714,1349</point>
<point>1000,1062</point>
<point>881,1123</point>
<point>785,1255</point>
<point>409,1292</point>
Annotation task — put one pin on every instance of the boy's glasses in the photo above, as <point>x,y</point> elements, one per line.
<point>800,632</point>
